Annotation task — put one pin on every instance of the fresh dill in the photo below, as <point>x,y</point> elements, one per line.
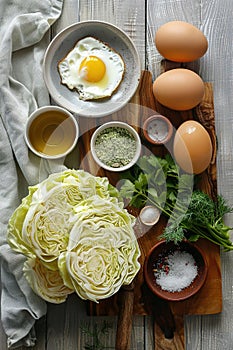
<point>96,332</point>
<point>191,213</point>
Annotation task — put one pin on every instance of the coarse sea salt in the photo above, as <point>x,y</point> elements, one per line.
<point>176,271</point>
<point>149,215</point>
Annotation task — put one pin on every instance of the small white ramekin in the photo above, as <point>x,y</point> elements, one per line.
<point>120,125</point>
<point>46,109</point>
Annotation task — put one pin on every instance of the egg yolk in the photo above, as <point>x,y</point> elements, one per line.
<point>92,69</point>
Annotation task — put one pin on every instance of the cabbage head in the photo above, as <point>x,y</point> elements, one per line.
<point>102,253</point>
<point>76,235</point>
<point>48,284</point>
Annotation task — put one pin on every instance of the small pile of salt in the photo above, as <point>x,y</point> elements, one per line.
<point>149,215</point>
<point>182,270</point>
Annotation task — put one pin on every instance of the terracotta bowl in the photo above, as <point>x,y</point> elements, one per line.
<point>157,129</point>
<point>158,253</point>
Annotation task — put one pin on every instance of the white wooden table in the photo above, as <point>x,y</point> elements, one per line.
<point>62,329</point>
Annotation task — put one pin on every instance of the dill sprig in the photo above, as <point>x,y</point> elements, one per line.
<point>96,332</point>
<point>192,213</point>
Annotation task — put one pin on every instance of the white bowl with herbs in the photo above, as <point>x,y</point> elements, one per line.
<point>115,146</point>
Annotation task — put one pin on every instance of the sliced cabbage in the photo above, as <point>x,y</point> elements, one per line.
<point>46,283</point>
<point>102,252</point>
<point>75,222</point>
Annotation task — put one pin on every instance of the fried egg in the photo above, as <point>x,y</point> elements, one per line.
<point>92,68</point>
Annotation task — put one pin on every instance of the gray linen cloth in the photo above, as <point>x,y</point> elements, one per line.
<point>24,37</point>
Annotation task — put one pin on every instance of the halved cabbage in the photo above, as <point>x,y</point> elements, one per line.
<point>102,252</point>
<point>75,222</point>
<point>46,283</point>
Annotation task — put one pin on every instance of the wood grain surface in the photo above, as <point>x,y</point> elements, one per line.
<point>61,329</point>
<point>168,317</point>
<point>212,290</point>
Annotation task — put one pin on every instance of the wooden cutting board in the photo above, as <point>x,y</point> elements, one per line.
<point>208,300</point>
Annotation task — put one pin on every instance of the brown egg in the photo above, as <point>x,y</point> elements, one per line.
<point>180,41</point>
<point>192,147</point>
<point>179,89</point>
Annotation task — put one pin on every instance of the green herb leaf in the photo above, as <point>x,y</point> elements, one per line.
<point>127,189</point>
<point>141,183</point>
<point>192,213</point>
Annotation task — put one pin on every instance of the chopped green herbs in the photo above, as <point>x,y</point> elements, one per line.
<point>115,146</point>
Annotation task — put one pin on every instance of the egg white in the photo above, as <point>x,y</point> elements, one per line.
<point>69,67</point>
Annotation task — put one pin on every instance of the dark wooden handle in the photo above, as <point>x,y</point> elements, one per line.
<point>168,327</point>
<point>125,317</point>
<point>170,341</point>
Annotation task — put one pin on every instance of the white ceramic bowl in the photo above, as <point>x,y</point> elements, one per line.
<point>117,39</point>
<point>115,124</point>
<point>51,132</point>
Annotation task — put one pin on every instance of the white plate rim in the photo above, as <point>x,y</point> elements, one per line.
<point>98,109</point>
